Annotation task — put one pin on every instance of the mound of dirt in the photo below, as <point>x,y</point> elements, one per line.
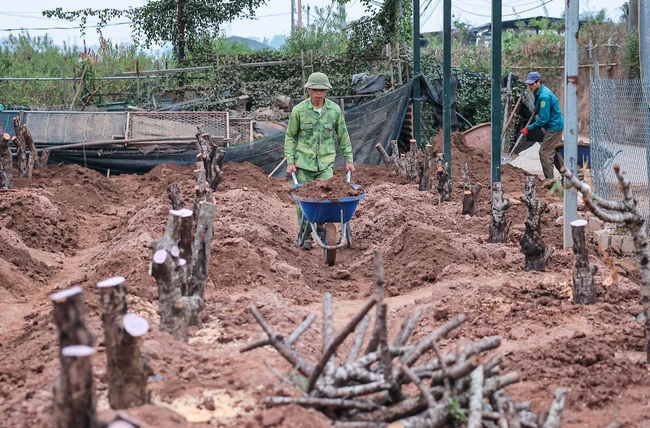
<point>334,188</point>
<point>479,164</point>
<point>40,223</point>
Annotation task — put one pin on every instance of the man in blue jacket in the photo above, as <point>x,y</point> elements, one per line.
<point>549,118</point>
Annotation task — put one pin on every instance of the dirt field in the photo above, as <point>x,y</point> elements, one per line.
<point>72,226</point>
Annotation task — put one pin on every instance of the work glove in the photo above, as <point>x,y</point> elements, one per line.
<point>525,131</point>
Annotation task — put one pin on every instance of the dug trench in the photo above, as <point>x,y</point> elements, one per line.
<point>72,226</point>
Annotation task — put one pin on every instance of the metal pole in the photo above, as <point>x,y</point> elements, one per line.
<point>571,55</point>
<point>416,71</point>
<point>293,15</point>
<point>63,83</point>
<point>496,92</point>
<point>446,79</point>
<point>644,64</point>
<point>633,16</point>
<point>644,42</point>
<point>299,13</point>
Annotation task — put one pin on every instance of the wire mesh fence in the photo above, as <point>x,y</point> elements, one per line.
<point>60,127</point>
<point>620,133</point>
<point>176,124</point>
<point>241,131</point>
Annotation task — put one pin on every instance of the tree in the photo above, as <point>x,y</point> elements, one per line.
<point>625,12</point>
<point>184,23</point>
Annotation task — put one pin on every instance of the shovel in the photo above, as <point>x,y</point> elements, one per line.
<point>508,159</point>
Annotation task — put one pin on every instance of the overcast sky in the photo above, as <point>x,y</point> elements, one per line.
<point>274,18</point>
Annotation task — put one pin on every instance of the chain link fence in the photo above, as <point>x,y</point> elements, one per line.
<point>620,134</point>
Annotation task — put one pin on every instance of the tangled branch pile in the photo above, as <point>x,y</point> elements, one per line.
<point>402,385</point>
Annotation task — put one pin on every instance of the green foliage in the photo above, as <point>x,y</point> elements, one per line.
<point>323,34</point>
<point>631,55</point>
<point>457,412</point>
<point>156,22</point>
<point>625,12</point>
<point>25,56</point>
<point>221,46</point>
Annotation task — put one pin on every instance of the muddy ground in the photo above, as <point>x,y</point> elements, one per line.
<point>72,226</point>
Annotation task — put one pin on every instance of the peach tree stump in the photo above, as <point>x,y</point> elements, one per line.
<point>499,228</point>
<point>127,371</point>
<point>74,390</point>
<point>6,166</point>
<point>584,292</point>
<point>532,244</point>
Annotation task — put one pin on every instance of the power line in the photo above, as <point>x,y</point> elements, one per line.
<point>432,10</point>
<point>507,14</point>
<point>66,28</point>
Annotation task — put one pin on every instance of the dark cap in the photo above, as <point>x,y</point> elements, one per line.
<point>533,77</point>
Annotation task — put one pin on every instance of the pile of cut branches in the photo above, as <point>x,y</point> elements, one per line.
<point>404,385</point>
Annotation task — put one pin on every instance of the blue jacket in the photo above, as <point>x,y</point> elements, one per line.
<point>549,115</point>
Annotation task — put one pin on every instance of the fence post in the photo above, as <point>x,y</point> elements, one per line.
<point>571,112</point>
<point>63,83</point>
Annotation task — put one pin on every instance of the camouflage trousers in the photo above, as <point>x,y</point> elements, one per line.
<point>305,176</point>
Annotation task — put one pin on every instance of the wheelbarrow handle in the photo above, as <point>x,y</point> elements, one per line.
<point>295,179</point>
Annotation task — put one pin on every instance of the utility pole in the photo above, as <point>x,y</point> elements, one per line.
<point>571,55</point>
<point>416,72</point>
<point>633,15</point>
<point>644,44</point>
<point>308,8</point>
<point>343,17</point>
<point>181,32</point>
<point>293,15</point>
<point>446,79</point>
<point>299,13</point>
<point>496,93</point>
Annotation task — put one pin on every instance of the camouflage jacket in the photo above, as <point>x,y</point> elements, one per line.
<point>309,140</point>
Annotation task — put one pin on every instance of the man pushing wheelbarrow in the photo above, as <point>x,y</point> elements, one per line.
<point>309,140</point>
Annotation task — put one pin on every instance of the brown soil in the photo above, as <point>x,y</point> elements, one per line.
<point>334,188</point>
<point>69,226</point>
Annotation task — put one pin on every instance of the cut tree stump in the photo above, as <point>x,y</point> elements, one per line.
<point>470,193</point>
<point>69,318</point>
<point>175,197</point>
<point>127,371</point>
<point>444,183</point>
<point>74,390</point>
<point>428,165</point>
<point>388,161</point>
<point>201,250</point>
<point>176,311</point>
<point>6,166</point>
<point>584,292</point>
<point>536,253</point>
<point>44,159</point>
<point>33,154</point>
<point>411,163</point>
<point>21,146</point>
<point>399,162</point>
<point>625,212</point>
<point>499,228</point>
<point>180,267</point>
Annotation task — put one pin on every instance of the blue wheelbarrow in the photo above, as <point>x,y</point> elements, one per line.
<point>321,216</point>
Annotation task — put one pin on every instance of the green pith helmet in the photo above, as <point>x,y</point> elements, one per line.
<point>318,81</point>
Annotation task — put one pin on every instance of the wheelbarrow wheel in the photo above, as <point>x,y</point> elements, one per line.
<point>330,239</point>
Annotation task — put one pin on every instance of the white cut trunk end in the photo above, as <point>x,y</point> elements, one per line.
<point>135,325</point>
<point>183,212</point>
<point>63,295</point>
<point>111,282</point>
<point>77,351</point>
<point>159,257</point>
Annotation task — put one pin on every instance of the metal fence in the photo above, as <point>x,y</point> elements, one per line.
<point>60,127</point>
<point>620,133</point>
<point>181,124</point>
